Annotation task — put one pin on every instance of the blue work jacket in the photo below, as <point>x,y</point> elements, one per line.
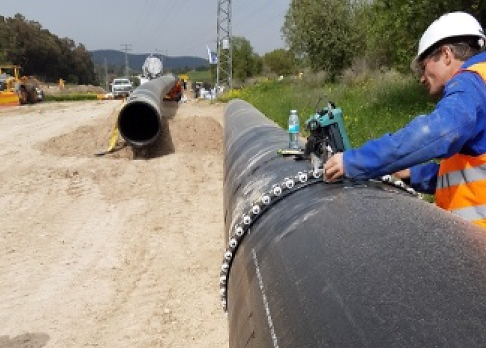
<point>457,125</point>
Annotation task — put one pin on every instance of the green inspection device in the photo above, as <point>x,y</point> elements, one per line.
<point>327,125</point>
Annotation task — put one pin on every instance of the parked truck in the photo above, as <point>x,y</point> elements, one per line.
<point>121,87</point>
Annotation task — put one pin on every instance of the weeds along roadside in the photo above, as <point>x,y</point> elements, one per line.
<point>70,97</point>
<point>372,106</point>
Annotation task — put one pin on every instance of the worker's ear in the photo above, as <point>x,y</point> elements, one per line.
<point>447,55</point>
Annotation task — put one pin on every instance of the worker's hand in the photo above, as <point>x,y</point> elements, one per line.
<point>334,168</point>
<point>403,174</point>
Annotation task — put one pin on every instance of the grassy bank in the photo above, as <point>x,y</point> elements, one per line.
<point>202,76</point>
<point>371,106</point>
<point>70,97</point>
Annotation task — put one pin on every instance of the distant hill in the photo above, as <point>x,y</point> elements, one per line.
<point>135,61</point>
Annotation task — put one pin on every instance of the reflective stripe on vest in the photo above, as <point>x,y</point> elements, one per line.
<point>461,182</point>
<point>472,213</point>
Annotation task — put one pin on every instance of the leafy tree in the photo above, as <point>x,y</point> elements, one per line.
<point>43,54</point>
<point>395,26</point>
<point>83,66</point>
<point>331,34</point>
<point>280,62</point>
<point>323,32</point>
<point>246,63</point>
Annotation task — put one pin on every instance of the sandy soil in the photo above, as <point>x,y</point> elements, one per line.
<point>116,251</point>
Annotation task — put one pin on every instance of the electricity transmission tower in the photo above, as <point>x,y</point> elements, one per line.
<point>224,68</point>
<point>127,68</point>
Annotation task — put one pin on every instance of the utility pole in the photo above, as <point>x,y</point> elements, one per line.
<point>163,55</point>
<point>107,83</point>
<point>224,69</point>
<point>127,68</point>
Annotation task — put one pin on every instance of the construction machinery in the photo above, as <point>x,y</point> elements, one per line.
<point>152,68</point>
<point>16,89</point>
<point>175,94</point>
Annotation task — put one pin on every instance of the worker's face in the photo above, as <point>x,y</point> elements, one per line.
<point>436,69</point>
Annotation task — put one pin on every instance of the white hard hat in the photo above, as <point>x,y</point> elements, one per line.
<point>452,24</point>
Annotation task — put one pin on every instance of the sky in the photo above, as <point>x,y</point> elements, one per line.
<point>169,27</point>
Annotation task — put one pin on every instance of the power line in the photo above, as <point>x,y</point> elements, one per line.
<point>168,15</point>
<point>145,12</point>
<point>143,29</point>
<point>251,16</point>
<point>254,11</point>
<point>265,23</point>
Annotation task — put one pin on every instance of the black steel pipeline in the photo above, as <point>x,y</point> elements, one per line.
<point>139,120</point>
<point>352,264</point>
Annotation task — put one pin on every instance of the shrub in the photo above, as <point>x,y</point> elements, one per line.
<point>70,97</point>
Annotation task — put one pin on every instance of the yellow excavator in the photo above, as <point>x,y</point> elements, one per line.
<point>16,89</point>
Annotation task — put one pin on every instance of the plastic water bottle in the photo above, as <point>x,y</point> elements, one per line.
<point>294,129</point>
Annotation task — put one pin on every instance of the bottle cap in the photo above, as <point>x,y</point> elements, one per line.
<point>293,111</point>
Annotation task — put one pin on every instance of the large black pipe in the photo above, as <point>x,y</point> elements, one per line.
<point>352,264</point>
<point>139,120</point>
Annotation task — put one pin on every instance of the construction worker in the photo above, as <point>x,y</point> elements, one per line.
<point>451,64</point>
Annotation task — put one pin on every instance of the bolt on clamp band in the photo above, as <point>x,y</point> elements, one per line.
<point>278,191</point>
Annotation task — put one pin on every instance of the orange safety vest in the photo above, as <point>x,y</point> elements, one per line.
<point>461,182</point>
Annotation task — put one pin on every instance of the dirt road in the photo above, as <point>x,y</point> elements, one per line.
<point>110,251</point>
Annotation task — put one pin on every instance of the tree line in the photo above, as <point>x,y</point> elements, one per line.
<point>43,54</point>
<point>323,35</point>
<point>334,35</point>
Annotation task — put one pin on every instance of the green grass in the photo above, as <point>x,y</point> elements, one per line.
<point>70,97</point>
<point>201,76</point>
<point>370,109</point>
